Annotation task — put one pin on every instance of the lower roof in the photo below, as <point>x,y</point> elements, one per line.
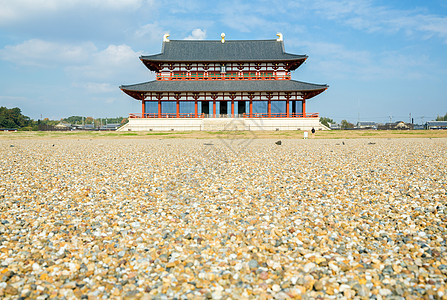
<point>311,89</point>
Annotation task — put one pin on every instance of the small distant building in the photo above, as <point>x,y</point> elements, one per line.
<point>366,125</point>
<point>436,125</point>
<point>63,127</point>
<point>84,127</point>
<point>399,125</point>
<point>335,126</point>
<point>110,127</point>
<point>418,127</point>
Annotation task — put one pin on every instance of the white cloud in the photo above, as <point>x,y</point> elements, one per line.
<point>116,61</point>
<point>365,15</point>
<point>98,87</point>
<point>197,34</point>
<point>17,10</point>
<point>96,71</point>
<point>41,53</point>
<point>340,62</point>
<point>151,32</point>
<point>85,57</point>
<point>116,55</point>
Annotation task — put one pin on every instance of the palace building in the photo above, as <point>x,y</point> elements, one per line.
<point>223,85</point>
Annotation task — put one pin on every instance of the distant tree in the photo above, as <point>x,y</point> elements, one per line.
<point>442,118</point>
<point>112,120</point>
<point>73,120</point>
<point>48,122</point>
<point>13,118</point>
<point>7,123</point>
<point>346,125</point>
<point>325,121</point>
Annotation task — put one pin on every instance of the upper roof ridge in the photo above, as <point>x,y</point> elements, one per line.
<point>231,50</point>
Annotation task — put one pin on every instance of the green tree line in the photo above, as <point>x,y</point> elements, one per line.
<point>12,118</point>
<point>442,118</point>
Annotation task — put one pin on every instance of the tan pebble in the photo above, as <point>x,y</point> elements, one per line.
<point>320,260</point>
<point>264,275</point>
<point>397,268</point>
<point>276,288</point>
<point>309,282</point>
<point>10,290</point>
<point>330,289</point>
<point>318,285</point>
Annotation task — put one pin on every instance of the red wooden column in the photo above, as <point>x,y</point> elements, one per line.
<point>159,108</point>
<point>196,108</point>
<point>269,104</point>
<point>232,97</point>
<point>288,96</point>
<point>303,103</point>
<point>251,96</point>
<point>214,96</point>
<point>159,96</point>
<point>177,97</point>
<point>143,108</point>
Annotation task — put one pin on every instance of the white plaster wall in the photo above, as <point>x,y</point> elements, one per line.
<point>217,124</point>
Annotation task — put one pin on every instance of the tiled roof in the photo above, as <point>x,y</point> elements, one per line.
<point>216,51</point>
<point>224,86</point>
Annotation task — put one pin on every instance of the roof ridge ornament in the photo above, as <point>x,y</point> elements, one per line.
<point>222,36</point>
<point>280,37</point>
<point>165,37</point>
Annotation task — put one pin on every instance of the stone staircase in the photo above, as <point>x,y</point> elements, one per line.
<point>223,124</point>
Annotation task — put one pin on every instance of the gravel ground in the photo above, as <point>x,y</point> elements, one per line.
<point>196,219</point>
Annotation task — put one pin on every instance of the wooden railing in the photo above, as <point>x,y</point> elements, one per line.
<point>245,115</point>
<point>220,76</point>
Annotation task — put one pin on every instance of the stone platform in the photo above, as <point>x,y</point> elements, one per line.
<point>218,124</point>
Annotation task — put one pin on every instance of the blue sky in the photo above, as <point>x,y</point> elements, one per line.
<point>382,59</point>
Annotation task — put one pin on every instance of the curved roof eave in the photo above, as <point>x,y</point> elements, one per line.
<point>158,59</point>
<point>137,90</point>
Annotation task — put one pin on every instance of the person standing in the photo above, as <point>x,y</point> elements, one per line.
<point>313,132</point>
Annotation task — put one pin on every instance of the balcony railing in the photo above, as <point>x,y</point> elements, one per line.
<point>200,116</point>
<point>220,76</point>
